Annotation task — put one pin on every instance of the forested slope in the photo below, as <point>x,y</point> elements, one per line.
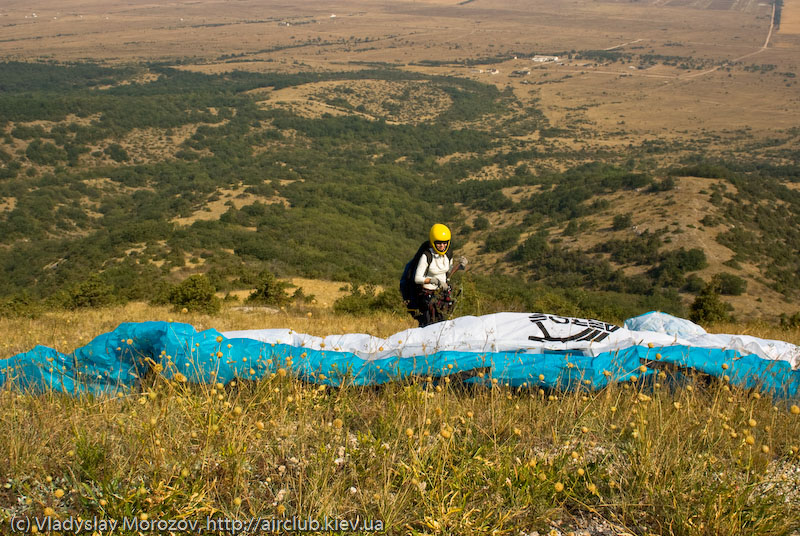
<point>134,178</point>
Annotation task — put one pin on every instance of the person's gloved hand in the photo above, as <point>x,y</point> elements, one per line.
<point>440,281</point>
<point>463,261</point>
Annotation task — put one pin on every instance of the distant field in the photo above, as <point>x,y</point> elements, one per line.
<point>790,19</point>
<point>649,100</point>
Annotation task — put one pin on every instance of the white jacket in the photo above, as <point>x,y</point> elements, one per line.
<point>436,270</point>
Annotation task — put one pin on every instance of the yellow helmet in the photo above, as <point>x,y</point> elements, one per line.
<point>439,233</point>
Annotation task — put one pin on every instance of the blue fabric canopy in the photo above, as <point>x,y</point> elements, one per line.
<point>516,349</point>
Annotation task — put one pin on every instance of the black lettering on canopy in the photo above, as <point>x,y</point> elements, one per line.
<point>595,331</point>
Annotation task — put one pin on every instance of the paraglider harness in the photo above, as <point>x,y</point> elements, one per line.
<point>440,303</point>
<point>427,306</point>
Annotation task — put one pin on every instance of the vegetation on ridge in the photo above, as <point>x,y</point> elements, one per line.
<point>138,177</point>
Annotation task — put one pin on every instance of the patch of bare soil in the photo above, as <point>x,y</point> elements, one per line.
<point>226,198</point>
<point>396,102</point>
<point>153,145</point>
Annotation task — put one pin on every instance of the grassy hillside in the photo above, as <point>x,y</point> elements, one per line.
<point>134,178</point>
<point>693,457</point>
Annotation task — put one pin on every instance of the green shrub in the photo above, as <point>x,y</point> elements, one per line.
<point>501,240</point>
<point>710,221</point>
<point>640,249</point>
<point>622,221</point>
<point>665,185</point>
<point>691,260</point>
<point>195,293</point>
<point>45,153</point>
<point>481,223</point>
<point>269,291</point>
<point>729,284</point>
<point>708,307</point>
<point>94,292</point>
<point>572,228</point>
<point>694,284</point>
<point>674,264</point>
<point>733,263</point>
<point>790,322</point>
<point>20,306</point>
<point>299,296</point>
<point>368,301</point>
<point>117,152</point>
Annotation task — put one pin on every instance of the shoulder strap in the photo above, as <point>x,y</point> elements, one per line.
<point>423,249</point>
<point>408,273</point>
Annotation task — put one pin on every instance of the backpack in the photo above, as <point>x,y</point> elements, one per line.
<point>408,288</point>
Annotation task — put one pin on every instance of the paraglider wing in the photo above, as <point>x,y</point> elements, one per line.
<point>517,349</point>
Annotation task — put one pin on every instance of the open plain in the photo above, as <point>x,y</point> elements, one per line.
<point>706,90</point>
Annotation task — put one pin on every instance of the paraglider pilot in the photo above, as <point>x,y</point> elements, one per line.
<point>425,284</point>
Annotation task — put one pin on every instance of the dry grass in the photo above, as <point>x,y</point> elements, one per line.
<point>396,102</point>
<point>790,18</point>
<point>422,457</point>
